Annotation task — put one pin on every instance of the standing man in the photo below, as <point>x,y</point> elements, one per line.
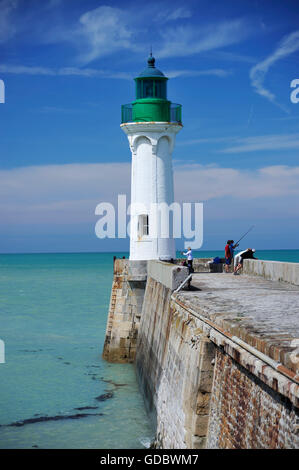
<point>229,253</point>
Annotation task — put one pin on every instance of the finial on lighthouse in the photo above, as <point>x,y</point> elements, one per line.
<point>151,59</point>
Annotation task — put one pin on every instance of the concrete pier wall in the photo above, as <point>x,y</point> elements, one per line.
<point>167,274</point>
<point>273,270</point>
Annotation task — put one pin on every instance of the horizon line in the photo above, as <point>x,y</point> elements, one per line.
<point>123,251</point>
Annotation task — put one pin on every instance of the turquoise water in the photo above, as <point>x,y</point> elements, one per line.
<point>53,312</point>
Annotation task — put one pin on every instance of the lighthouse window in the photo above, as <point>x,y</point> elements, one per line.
<point>139,89</point>
<point>143,227</point>
<point>148,88</point>
<point>160,89</point>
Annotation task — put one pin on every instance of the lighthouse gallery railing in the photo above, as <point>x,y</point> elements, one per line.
<point>175,113</point>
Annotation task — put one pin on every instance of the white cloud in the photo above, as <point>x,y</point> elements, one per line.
<point>26,70</point>
<point>96,33</point>
<point>96,73</point>
<point>198,73</point>
<point>70,71</point>
<point>179,13</point>
<point>288,45</point>
<point>212,182</point>
<point>105,30</point>
<point>204,140</point>
<point>188,40</point>
<point>68,194</point>
<point>233,57</point>
<point>53,4</point>
<point>7,28</point>
<point>59,182</point>
<point>173,15</point>
<point>62,195</point>
<point>90,72</point>
<point>264,142</point>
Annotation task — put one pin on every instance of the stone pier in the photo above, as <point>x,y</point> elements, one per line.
<point>219,364</point>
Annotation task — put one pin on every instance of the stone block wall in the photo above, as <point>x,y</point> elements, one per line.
<point>126,300</point>
<point>245,413</point>
<point>175,370</point>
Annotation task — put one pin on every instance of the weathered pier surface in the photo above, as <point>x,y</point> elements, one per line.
<point>218,364</point>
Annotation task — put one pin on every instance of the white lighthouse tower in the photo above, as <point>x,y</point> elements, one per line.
<point>151,123</point>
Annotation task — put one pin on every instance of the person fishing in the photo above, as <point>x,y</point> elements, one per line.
<point>239,258</point>
<point>189,262</point>
<point>229,253</point>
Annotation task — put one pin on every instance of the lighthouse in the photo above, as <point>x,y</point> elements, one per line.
<point>151,123</point>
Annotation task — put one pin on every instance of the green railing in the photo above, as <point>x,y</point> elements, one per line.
<point>175,113</point>
<point>127,113</point>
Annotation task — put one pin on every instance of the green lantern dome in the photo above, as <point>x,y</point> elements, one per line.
<point>151,104</point>
<point>151,71</point>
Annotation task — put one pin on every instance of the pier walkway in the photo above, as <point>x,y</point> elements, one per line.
<point>261,312</point>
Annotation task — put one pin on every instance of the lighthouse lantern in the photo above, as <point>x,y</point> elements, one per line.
<point>151,102</point>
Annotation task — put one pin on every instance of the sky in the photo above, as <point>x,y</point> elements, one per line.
<point>69,65</point>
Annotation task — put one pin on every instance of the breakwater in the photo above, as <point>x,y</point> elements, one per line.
<point>217,364</point>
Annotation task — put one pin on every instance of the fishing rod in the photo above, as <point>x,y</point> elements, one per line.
<point>245,234</point>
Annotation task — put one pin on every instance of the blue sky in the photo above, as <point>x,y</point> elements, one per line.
<point>68,65</point>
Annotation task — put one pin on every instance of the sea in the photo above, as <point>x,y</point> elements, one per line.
<point>56,390</point>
